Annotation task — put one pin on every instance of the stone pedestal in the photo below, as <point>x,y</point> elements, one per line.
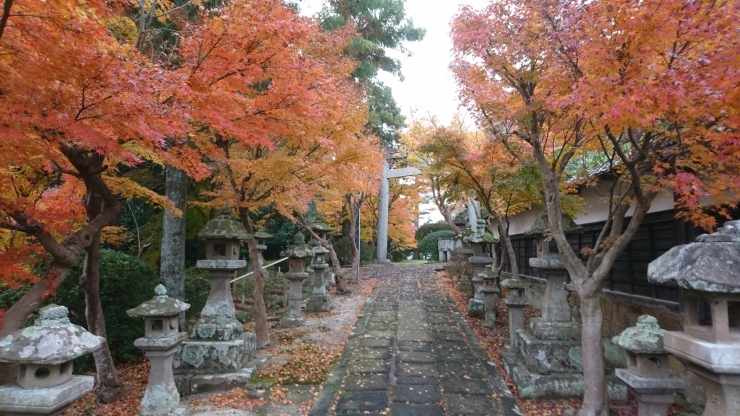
<point>710,340</point>
<point>295,276</point>
<point>516,301</point>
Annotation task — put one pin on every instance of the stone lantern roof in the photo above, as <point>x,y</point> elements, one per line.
<point>319,249</point>
<point>478,238</point>
<point>541,224</point>
<point>52,340</point>
<point>711,264</point>
<point>260,235</point>
<point>644,338</point>
<point>159,306</point>
<point>323,227</point>
<point>224,228</point>
<point>299,249</point>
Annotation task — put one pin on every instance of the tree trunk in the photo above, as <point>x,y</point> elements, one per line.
<point>595,398</point>
<point>341,281</point>
<point>65,253</point>
<point>504,235</point>
<point>260,308</point>
<point>172,263</point>
<point>108,387</point>
<point>356,255</point>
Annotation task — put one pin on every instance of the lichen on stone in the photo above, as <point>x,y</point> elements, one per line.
<point>159,401</point>
<point>646,336</point>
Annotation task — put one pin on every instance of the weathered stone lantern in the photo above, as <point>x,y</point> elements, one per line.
<point>516,300</point>
<point>647,367</point>
<point>260,236</point>
<point>320,301</point>
<point>489,291</point>
<point>223,237</point>
<point>480,243</point>
<point>218,348</point>
<point>44,352</point>
<point>161,338</point>
<point>708,271</point>
<point>544,361</point>
<point>296,274</point>
<point>464,248</point>
<point>557,319</point>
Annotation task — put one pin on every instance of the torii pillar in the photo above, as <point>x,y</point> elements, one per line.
<point>388,173</point>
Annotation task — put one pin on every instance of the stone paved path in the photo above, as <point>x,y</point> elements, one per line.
<point>412,353</point>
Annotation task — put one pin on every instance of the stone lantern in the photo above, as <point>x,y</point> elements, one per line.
<point>647,367</point>
<point>320,301</point>
<point>161,337</point>
<point>489,289</point>
<point>223,237</point>
<point>296,274</point>
<point>480,243</point>
<point>464,248</point>
<point>708,272</point>
<point>260,236</point>
<point>556,322</point>
<point>44,352</point>
<point>544,361</point>
<point>516,300</point>
<point>218,348</point>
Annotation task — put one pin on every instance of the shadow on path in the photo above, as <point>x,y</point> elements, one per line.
<point>411,352</point>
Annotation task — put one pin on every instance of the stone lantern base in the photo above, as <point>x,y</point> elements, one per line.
<point>202,366</point>
<point>654,394</point>
<point>17,401</point>
<point>531,385</point>
<point>319,303</point>
<point>551,368</point>
<point>476,307</point>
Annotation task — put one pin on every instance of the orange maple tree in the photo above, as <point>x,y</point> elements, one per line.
<point>648,87</point>
<point>272,92</point>
<point>76,105</point>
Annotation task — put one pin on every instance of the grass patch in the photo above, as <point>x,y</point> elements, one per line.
<point>411,262</point>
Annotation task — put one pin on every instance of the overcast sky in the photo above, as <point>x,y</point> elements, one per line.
<point>428,87</point>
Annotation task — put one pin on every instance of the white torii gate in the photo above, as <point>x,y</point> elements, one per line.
<point>388,173</point>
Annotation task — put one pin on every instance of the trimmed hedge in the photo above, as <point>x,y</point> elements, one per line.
<point>428,248</point>
<point>125,282</point>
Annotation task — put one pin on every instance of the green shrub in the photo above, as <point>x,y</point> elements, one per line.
<point>343,248</point>
<point>125,282</point>
<point>428,248</point>
<point>428,228</point>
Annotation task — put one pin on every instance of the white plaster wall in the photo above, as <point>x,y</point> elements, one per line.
<point>595,208</point>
